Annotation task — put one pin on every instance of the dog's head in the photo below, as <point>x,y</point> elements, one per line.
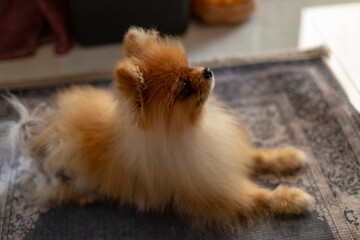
<point>155,77</point>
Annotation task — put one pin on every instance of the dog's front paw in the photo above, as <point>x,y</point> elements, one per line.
<point>288,159</point>
<point>279,160</point>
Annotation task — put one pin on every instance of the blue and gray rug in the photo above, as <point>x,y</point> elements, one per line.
<point>295,102</point>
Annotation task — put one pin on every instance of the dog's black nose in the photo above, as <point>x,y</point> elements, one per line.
<point>207,73</point>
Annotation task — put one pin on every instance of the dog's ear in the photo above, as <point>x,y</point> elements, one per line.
<point>130,81</point>
<point>137,40</point>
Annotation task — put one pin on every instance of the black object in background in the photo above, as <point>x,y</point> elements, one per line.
<point>98,22</point>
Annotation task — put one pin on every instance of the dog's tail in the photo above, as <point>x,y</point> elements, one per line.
<point>15,134</point>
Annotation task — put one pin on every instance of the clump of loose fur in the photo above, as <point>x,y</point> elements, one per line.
<point>15,134</point>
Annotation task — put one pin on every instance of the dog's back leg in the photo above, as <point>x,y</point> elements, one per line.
<point>281,200</point>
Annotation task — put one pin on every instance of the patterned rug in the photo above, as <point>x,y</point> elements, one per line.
<point>289,102</point>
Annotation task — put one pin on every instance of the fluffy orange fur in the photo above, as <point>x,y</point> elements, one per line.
<point>159,139</point>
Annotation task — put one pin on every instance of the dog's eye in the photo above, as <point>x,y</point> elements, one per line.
<point>185,88</point>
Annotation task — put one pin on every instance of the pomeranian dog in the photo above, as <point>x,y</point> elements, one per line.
<point>159,139</point>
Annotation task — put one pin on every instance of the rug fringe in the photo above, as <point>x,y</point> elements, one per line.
<point>316,52</point>
<point>59,80</point>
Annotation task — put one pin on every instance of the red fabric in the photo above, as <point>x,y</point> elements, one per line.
<point>24,24</point>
